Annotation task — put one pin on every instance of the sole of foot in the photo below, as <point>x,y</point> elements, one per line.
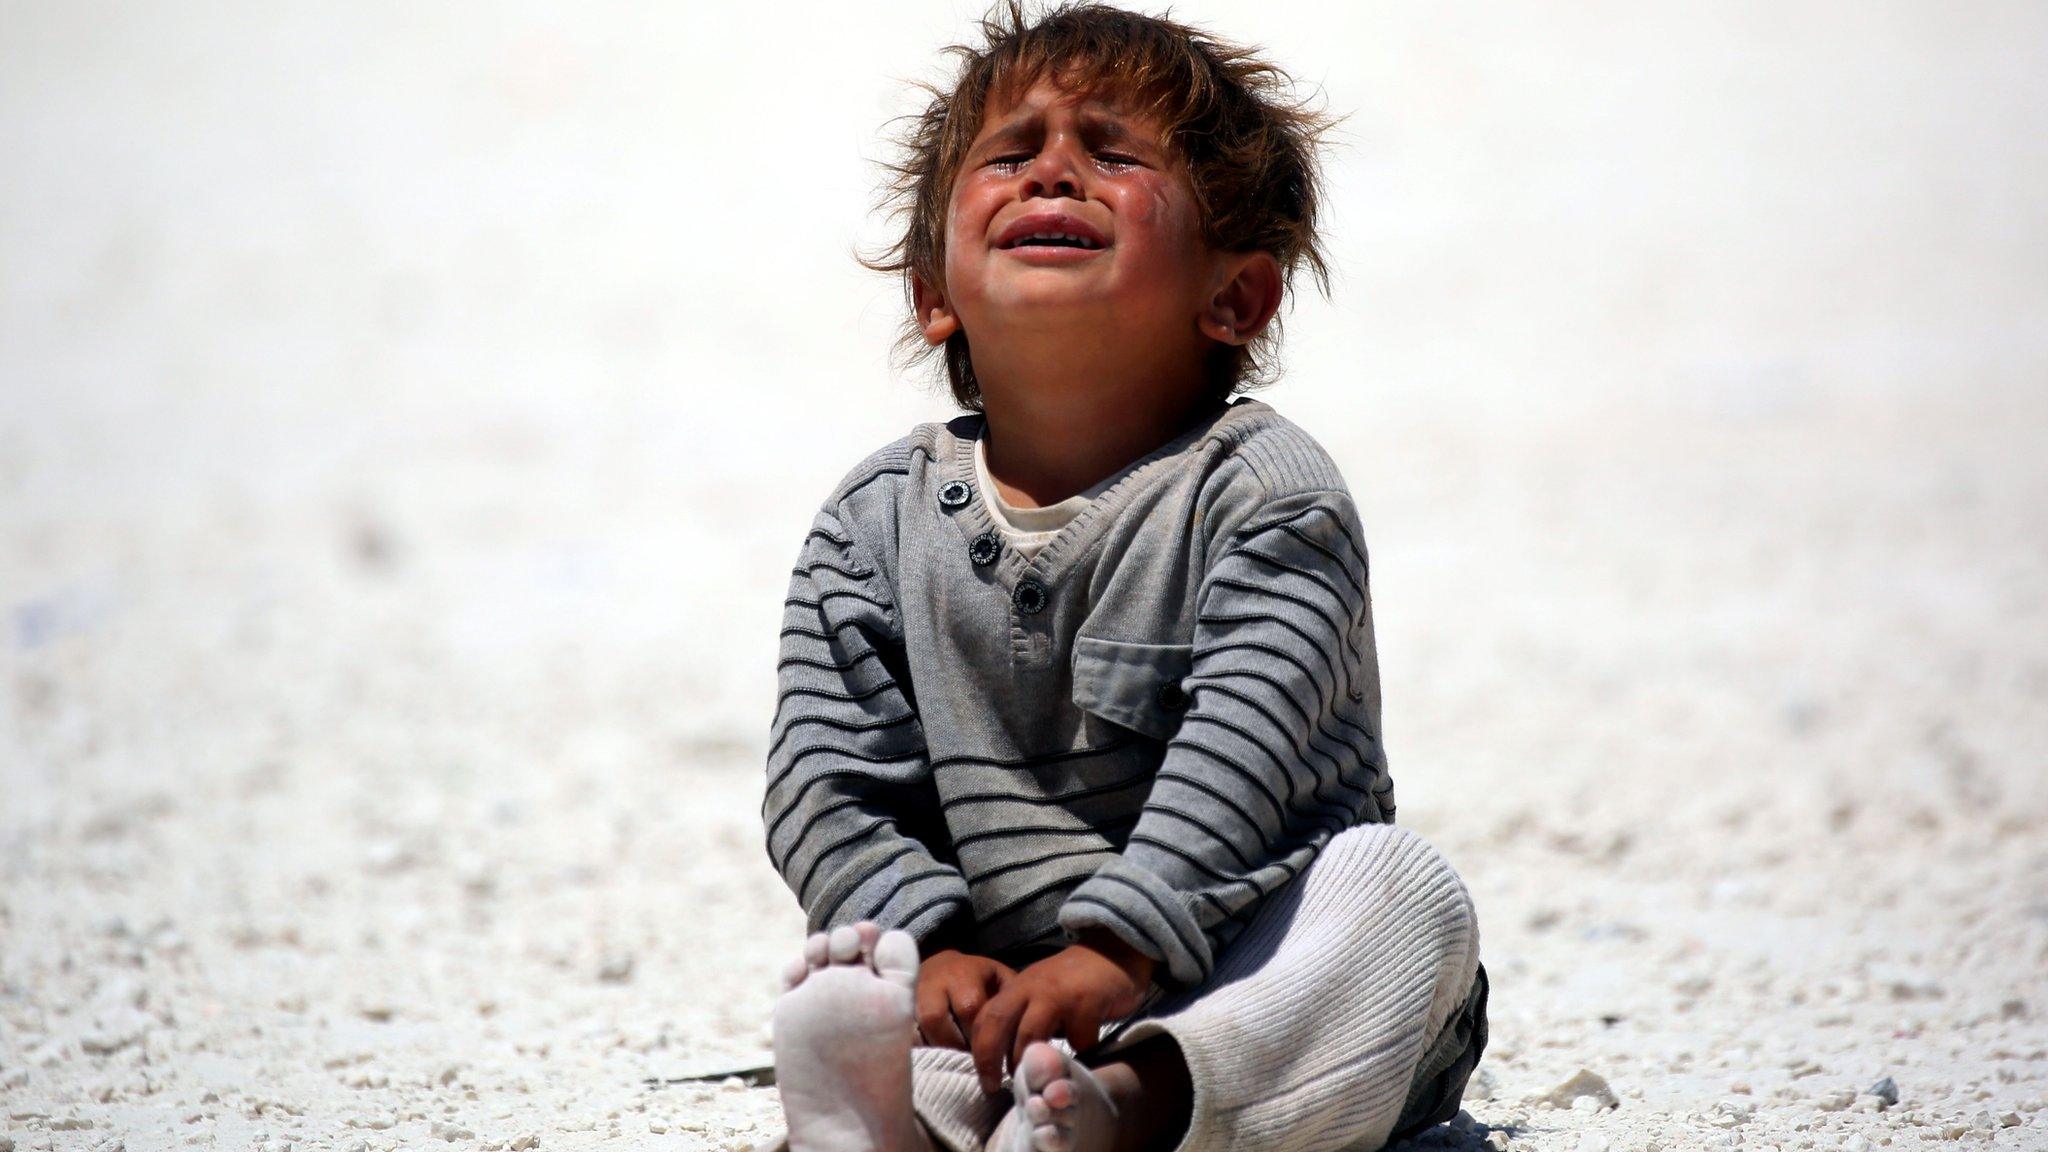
<point>1061,1107</point>
<point>843,1031</point>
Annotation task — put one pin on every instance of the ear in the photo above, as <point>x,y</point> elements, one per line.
<point>1244,304</point>
<point>933,313</point>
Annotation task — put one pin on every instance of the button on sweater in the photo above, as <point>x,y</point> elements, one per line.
<point>1149,724</point>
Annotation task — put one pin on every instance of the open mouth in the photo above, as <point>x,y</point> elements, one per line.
<point>1053,240</point>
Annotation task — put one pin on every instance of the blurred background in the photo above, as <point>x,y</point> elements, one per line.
<point>409,415</point>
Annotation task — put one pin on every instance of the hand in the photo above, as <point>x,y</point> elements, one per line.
<point>952,986</point>
<point>1069,993</point>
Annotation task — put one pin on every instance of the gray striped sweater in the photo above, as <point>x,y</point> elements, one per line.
<point>1150,726</point>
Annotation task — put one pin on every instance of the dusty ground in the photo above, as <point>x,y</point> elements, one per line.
<point>387,649</point>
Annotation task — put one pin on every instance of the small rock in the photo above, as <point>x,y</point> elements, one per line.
<point>2005,1120</point>
<point>1498,1142</point>
<point>617,968</point>
<point>6,1144</point>
<point>1583,1083</point>
<point>2013,1009</point>
<point>1857,1142</point>
<point>530,1140</point>
<point>1592,1142</point>
<point>1885,1090</point>
<point>109,1038</point>
<point>1835,1101</point>
<point>376,1011</point>
<point>121,992</point>
<point>443,1130</point>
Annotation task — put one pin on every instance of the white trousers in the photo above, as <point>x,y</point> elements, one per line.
<point>1351,1009</point>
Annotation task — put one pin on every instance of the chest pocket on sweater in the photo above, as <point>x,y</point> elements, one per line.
<point>1135,685</point>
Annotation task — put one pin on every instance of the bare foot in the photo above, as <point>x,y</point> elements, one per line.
<point>843,1030</point>
<point>1061,1106</point>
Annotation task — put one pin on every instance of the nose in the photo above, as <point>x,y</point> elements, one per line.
<point>1053,173</point>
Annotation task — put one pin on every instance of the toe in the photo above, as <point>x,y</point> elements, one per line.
<point>794,972</point>
<point>1059,1094</point>
<point>844,944</point>
<point>1042,1064</point>
<point>1037,1110</point>
<point>896,958</point>
<point>1051,1138</point>
<point>815,949</point>
<point>869,932</point>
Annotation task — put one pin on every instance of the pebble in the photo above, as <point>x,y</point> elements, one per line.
<point>1857,1142</point>
<point>1592,1142</point>
<point>451,1132</point>
<point>530,1140</point>
<point>1835,1101</point>
<point>108,1038</point>
<point>617,968</point>
<point>1584,1084</point>
<point>1886,1090</point>
<point>1498,1142</point>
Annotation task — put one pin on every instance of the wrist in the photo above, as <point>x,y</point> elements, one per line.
<point>1135,964</point>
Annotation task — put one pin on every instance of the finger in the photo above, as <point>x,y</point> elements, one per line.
<point>934,1021</point>
<point>994,1028</point>
<point>967,1004</point>
<point>1082,1028</point>
<point>1039,1022</point>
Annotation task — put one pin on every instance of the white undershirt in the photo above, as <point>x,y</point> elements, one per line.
<point>1029,529</point>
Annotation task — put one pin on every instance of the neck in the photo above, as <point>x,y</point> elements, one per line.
<point>1057,433</point>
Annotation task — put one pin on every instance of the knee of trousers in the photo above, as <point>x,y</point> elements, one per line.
<point>1405,872</point>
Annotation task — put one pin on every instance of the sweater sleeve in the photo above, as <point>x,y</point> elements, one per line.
<point>1278,750</point>
<point>849,807</point>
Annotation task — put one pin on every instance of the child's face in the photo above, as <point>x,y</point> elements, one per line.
<point>1053,162</point>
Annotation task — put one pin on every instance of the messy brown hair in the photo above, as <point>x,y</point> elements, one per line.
<point>1249,148</point>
